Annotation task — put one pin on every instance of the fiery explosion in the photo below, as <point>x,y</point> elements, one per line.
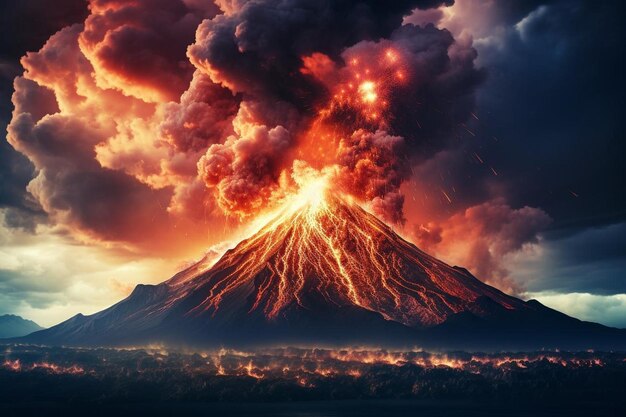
<point>209,128</point>
<point>218,132</point>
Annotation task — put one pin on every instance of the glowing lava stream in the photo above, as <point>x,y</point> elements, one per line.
<point>323,251</point>
<point>308,212</point>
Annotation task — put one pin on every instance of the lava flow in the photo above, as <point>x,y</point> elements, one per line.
<point>324,271</point>
<point>324,248</point>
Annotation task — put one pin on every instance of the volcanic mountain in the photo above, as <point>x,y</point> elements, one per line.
<point>325,272</point>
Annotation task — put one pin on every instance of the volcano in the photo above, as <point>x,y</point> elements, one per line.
<point>326,272</point>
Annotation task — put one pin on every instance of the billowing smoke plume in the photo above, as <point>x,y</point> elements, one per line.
<point>57,123</point>
<point>135,127</point>
<point>139,47</point>
<point>266,84</point>
<point>310,79</point>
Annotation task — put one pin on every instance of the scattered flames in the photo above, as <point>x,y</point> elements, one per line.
<point>17,366</point>
<point>304,366</point>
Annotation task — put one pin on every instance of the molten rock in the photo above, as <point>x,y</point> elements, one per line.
<point>326,272</point>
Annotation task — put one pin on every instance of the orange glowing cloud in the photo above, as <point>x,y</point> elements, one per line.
<point>138,48</point>
<point>74,132</point>
<point>137,132</point>
<point>481,236</point>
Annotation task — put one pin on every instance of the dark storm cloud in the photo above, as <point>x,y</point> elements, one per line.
<point>551,109</point>
<point>551,122</point>
<point>555,98</point>
<point>591,260</point>
<point>26,24</point>
<point>548,133</point>
<point>511,12</point>
<point>442,93</point>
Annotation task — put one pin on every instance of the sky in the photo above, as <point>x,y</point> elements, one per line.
<point>143,136</point>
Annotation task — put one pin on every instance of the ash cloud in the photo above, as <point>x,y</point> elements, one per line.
<point>256,47</point>
<point>159,129</point>
<point>264,52</point>
<point>138,48</point>
<point>372,171</point>
<point>246,168</point>
<point>481,236</point>
<point>70,184</point>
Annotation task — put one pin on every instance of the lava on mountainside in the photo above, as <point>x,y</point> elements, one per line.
<point>323,245</point>
<point>325,272</point>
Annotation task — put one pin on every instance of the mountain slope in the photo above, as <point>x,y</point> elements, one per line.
<point>336,254</point>
<point>326,272</point>
<point>15,326</point>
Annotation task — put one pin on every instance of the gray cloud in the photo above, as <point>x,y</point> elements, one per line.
<point>591,260</point>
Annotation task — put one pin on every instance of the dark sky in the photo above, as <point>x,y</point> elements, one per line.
<point>555,98</point>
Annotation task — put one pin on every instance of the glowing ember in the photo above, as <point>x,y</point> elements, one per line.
<point>368,92</point>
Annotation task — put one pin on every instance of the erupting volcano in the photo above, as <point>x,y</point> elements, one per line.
<point>324,271</point>
<point>324,250</point>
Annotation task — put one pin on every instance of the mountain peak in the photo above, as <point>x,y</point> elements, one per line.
<point>325,251</point>
<point>325,271</point>
<point>12,325</point>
